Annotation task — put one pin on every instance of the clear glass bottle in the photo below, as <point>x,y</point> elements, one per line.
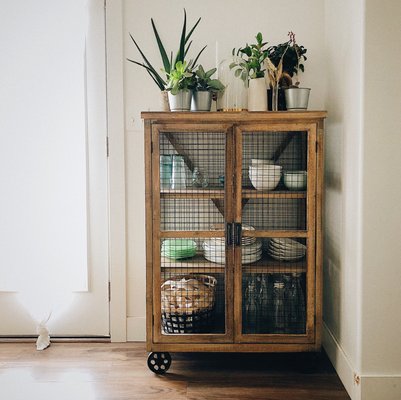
<point>263,304</point>
<point>234,77</point>
<point>198,179</point>
<point>250,306</point>
<point>296,305</point>
<point>279,317</point>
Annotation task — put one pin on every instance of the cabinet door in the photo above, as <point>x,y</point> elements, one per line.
<point>192,200</point>
<point>275,255</point>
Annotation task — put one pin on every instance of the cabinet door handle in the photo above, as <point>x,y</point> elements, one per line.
<point>237,233</point>
<point>229,234</point>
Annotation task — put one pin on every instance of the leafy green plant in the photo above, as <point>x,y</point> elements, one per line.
<point>204,82</point>
<point>180,78</point>
<point>169,62</point>
<point>292,56</point>
<point>254,56</point>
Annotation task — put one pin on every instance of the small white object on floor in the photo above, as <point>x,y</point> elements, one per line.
<point>43,341</point>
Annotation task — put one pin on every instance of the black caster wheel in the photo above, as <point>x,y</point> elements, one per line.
<point>159,363</point>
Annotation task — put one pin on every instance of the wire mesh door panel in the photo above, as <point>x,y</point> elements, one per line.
<point>192,282</point>
<point>275,258</point>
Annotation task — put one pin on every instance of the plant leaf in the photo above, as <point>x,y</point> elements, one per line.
<point>186,50</point>
<point>155,76</point>
<point>197,57</point>
<point>163,54</point>
<point>181,51</point>
<point>191,31</point>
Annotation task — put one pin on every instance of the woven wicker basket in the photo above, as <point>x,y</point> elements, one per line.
<point>188,303</point>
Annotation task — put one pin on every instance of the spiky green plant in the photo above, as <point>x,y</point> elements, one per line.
<point>168,62</point>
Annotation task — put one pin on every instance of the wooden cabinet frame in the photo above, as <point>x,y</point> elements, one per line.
<point>234,126</point>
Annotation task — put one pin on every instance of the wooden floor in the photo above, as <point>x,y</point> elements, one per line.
<point>105,371</point>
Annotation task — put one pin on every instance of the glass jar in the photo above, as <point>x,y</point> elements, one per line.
<point>166,164</point>
<point>178,174</point>
<point>233,75</point>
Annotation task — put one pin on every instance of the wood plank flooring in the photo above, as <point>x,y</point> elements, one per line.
<point>118,371</point>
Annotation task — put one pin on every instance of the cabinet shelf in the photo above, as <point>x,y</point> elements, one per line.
<point>199,264</point>
<point>216,193</point>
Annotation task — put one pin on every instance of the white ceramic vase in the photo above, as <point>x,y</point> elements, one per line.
<point>257,95</point>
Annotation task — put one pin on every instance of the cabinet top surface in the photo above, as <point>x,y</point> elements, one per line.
<point>244,116</point>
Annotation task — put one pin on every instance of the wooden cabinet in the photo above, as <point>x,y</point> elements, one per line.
<point>231,267</point>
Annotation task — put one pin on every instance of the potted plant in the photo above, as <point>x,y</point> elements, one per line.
<point>293,57</point>
<point>254,56</point>
<point>205,89</point>
<point>168,62</point>
<point>181,82</point>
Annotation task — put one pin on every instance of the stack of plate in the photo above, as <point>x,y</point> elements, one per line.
<point>245,240</point>
<point>178,248</point>
<point>285,249</point>
<point>215,251</point>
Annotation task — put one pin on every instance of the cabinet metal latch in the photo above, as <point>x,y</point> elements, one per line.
<point>237,233</point>
<point>229,234</point>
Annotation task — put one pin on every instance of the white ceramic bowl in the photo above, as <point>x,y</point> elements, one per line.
<point>258,161</point>
<point>265,168</point>
<point>268,182</point>
<point>295,180</point>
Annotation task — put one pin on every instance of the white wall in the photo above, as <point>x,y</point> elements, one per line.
<point>344,29</point>
<point>230,25</point>
<point>362,254</point>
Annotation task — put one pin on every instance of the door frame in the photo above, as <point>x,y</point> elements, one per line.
<point>116,168</point>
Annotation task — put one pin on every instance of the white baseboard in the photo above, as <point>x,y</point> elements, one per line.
<point>136,329</point>
<point>342,364</point>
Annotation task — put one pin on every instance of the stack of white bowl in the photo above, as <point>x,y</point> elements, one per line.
<point>264,175</point>
<point>215,248</point>
<point>285,249</point>
<point>295,180</point>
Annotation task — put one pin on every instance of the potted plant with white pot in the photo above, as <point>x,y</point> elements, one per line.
<point>169,62</point>
<point>205,89</point>
<point>180,84</point>
<point>292,57</point>
<point>254,56</point>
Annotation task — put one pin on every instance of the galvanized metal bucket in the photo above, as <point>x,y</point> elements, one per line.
<point>201,101</point>
<point>296,98</point>
<point>180,101</point>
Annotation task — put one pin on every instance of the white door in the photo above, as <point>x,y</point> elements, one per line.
<point>53,168</point>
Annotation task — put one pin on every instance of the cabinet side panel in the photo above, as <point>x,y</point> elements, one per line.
<point>319,230</point>
<point>149,242</point>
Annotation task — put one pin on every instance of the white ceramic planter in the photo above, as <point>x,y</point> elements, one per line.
<point>257,95</point>
<point>180,101</point>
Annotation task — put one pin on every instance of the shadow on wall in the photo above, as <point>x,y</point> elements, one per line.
<point>332,253</point>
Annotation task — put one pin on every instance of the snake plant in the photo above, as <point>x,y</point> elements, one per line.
<point>169,62</point>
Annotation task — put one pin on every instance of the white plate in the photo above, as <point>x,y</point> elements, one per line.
<point>287,243</point>
<point>288,252</point>
<point>244,259</point>
<point>283,258</point>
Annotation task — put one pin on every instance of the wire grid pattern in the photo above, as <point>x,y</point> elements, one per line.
<point>193,288</point>
<point>271,162</point>
<point>192,164</point>
<point>274,296</point>
<point>274,288</point>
